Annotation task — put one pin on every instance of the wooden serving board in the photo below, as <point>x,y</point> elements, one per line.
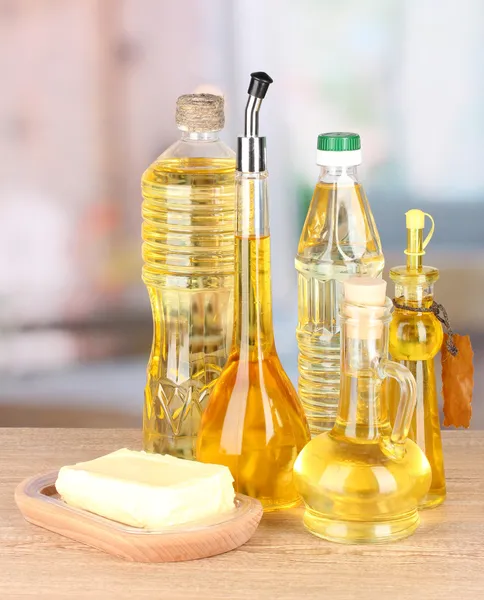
<point>41,505</point>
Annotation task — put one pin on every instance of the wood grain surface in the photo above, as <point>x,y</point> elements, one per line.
<point>444,559</point>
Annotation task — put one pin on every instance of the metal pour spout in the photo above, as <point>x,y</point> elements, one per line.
<point>252,117</point>
<point>251,149</point>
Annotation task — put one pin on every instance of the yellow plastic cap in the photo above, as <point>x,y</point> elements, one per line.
<point>415,219</point>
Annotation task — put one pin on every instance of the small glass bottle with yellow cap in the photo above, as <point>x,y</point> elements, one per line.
<point>415,338</point>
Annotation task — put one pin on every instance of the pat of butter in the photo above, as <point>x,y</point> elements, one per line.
<point>152,491</point>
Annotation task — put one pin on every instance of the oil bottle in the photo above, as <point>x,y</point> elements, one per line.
<point>415,338</point>
<point>254,422</point>
<point>188,252</point>
<point>361,482</point>
<point>339,239</point>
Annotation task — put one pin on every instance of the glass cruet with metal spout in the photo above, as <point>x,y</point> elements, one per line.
<point>415,339</point>
<point>362,481</point>
<point>254,423</point>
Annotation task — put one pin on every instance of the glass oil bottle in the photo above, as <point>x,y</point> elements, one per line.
<point>415,338</point>
<point>362,481</point>
<point>254,422</point>
<point>339,239</point>
<point>188,252</point>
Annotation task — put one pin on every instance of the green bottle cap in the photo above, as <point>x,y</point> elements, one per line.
<point>339,142</point>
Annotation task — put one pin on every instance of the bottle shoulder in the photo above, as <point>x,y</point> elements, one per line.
<point>339,226</point>
<point>193,157</point>
<point>367,460</point>
<point>264,377</point>
<point>189,148</point>
<point>402,317</point>
<point>261,385</point>
<point>414,278</point>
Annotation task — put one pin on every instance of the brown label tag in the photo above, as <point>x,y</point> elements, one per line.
<point>457,382</point>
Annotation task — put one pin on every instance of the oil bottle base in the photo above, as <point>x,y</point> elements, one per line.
<point>432,499</point>
<point>361,532</point>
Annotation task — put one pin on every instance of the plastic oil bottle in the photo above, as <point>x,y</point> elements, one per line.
<point>339,239</point>
<point>415,338</point>
<point>254,422</point>
<point>188,252</point>
<point>362,481</point>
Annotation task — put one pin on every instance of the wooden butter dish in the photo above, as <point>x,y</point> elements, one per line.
<point>41,505</point>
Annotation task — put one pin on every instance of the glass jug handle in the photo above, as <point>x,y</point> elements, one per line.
<point>395,445</point>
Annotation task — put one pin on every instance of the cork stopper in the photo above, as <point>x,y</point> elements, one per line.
<point>364,306</point>
<point>200,112</point>
<point>368,291</point>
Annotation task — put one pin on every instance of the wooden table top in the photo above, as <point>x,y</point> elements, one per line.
<point>443,560</point>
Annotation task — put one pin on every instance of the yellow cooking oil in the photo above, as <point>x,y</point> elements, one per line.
<point>362,481</point>
<point>188,251</point>
<point>415,339</point>
<point>339,239</point>
<point>254,423</point>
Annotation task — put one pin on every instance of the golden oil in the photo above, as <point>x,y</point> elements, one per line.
<point>415,339</point>
<point>339,239</point>
<point>188,252</point>
<point>254,422</point>
<point>362,481</point>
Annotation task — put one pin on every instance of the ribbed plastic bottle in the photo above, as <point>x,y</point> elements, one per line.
<point>339,239</point>
<point>188,252</point>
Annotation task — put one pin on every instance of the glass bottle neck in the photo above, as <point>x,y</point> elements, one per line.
<point>362,411</point>
<point>252,204</point>
<point>414,287</point>
<point>253,331</point>
<point>415,296</point>
<point>338,174</point>
<point>198,136</point>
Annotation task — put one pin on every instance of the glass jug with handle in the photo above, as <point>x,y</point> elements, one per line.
<point>362,481</point>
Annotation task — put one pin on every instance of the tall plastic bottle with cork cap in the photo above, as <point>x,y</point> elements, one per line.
<point>188,251</point>
<point>339,239</point>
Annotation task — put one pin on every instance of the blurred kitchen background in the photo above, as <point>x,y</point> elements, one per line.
<point>87,103</point>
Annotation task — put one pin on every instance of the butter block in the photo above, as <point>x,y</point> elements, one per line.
<point>151,491</point>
